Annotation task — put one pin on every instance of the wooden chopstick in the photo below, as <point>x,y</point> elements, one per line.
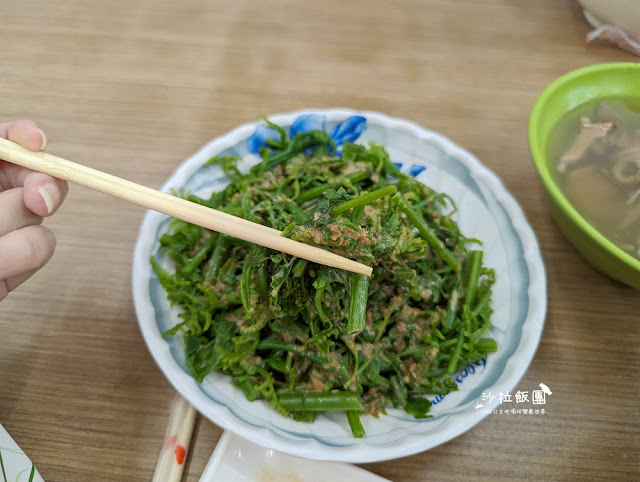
<point>177,438</point>
<point>173,206</point>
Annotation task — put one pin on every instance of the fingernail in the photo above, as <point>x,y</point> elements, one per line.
<point>45,192</point>
<point>44,139</point>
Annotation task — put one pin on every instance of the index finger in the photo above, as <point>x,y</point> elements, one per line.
<point>24,132</point>
<point>28,135</point>
<point>42,193</point>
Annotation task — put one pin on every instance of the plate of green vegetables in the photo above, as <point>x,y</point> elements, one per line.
<point>318,362</point>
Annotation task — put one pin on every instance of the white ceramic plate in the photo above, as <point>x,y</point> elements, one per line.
<point>237,459</point>
<point>486,211</point>
<point>14,463</point>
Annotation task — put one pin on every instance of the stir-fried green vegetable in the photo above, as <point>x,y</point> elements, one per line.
<point>308,338</point>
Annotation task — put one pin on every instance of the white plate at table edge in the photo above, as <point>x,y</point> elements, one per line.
<point>451,425</point>
<point>15,464</point>
<point>237,459</point>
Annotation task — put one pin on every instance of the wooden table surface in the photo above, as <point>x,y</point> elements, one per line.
<point>135,87</point>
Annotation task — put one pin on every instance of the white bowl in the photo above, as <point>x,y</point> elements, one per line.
<point>486,211</point>
<point>624,14</point>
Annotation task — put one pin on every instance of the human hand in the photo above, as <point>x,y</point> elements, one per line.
<point>25,198</point>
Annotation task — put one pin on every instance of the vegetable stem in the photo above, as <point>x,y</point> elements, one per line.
<point>194,262</point>
<point>356,214</point>
<point>453,362</point>
<point>355,424</point>
<point>286,346</point>
<point>321,401</point>
<point>358,303</point>
<point>426,233</point>
<point>452,308</point>
<point>218,256</point>
<point>475,267</point>
<point>318,190</point>
<point>364,199</point>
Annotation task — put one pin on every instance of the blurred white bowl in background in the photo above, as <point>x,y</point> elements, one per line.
<point>621,13</point>
<point>614,21</point>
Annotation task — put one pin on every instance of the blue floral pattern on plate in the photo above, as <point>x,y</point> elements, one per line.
<point>306,123</point>
<point>348,130</point>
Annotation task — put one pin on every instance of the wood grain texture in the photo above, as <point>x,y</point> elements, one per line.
<point>135,87</point>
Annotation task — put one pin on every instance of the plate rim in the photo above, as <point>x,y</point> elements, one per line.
<point>217,461</point>
<point>514,369</point>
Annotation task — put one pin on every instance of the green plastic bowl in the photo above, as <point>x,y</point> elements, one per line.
<point>562,95</point>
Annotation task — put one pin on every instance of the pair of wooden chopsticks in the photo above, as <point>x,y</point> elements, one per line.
<point>177,438</point>
<point>173,206</point>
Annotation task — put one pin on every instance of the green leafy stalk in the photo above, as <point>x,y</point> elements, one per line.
<point>321,402</point>
<point>358,302</point>
<point>364,199</point>
<point>318,190</point>
<point>284,346</point>
<point>452,308</point>
<point>426,233</point>
<point>453,362</point>
<point>355,424</point>
<point>475,267</point>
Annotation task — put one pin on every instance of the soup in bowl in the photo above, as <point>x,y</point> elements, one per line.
<point>584,137</point>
